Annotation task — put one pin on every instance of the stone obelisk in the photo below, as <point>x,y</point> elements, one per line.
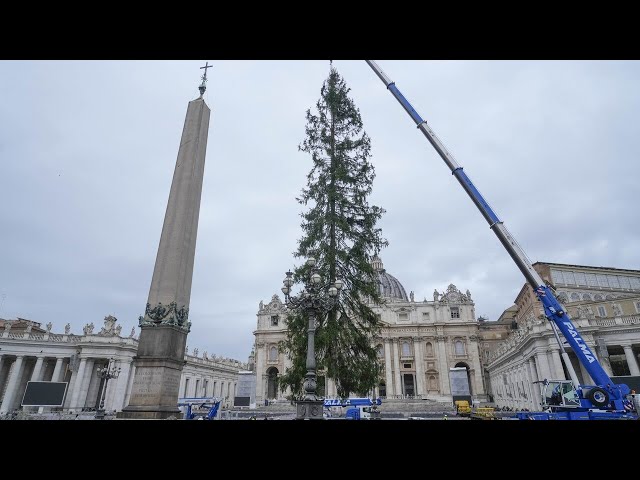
<point>165,324</point>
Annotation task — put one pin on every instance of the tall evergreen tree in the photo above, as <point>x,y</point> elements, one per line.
<point>339,230</point>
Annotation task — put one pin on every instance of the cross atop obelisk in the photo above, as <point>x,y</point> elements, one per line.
<point>203,86</point>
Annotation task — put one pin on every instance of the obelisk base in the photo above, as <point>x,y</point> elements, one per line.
<point>158,368</point>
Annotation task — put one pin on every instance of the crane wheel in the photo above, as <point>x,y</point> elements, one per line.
<point>598,396</point>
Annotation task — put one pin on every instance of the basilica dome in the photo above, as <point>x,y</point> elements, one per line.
<point>389,285</point>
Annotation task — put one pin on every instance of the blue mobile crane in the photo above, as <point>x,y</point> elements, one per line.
<point>357,408</point>
<point>199,408</point>
<point>563,400</point>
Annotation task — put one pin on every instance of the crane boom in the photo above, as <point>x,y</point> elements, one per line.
<point>605,394</point>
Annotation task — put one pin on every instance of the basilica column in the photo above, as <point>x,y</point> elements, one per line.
<point>519,386</point>
<point>543,364</point>
<point>265,383</point>
<point>557,361</point>
<point>513,378</point>
<point>528,388</point>
<point>603,361</point>
<point>534,387</point>
<point>260,367</point>
<point>517,379</point>
<point>387,367</point>
<point>552,364</point>
<point>418,343</point>
<point>10,392</point>
<point>586,378</point>
<point>526,382</point>
<point>396,361</point>
<point>631,360</point>
<point>443,365</point>
<point>476,365</point>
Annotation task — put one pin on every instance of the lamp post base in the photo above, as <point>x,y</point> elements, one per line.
<point>309,410</point>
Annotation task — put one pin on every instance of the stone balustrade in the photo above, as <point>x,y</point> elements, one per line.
<point>520,335</point>
<point>622,320</point>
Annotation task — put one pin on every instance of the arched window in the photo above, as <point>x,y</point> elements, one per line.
<point>597,296</point>
<point>273,354</point>
<point>406,349</point>
<point>459,347</point>
<point>429,349</point>
<point>380,351</point>
<point>575,296</point>
<point>586,296</point>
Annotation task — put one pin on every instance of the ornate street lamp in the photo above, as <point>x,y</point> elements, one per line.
<point>315,301</point>
<point>106,373</point>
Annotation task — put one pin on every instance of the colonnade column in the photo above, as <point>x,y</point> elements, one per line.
<point>37,370</point>
<point>57,371</point>
<point>77,385</point>
<point>10,393</point>
<point>121,386</point>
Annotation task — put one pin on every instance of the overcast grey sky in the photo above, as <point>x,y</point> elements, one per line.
<point>88,148</point>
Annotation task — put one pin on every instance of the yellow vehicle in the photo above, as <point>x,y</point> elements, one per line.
<point>483,413</point>
<point>463,409</point>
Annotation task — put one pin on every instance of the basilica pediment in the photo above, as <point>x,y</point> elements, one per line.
<point>453,295</point>
<point>275,305</point>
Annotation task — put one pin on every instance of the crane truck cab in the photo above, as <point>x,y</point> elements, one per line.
<point>559,395</point>
<point>362,412</point>
<point>563,400</point>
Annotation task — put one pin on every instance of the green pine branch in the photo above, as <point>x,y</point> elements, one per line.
<point>339,230</point>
